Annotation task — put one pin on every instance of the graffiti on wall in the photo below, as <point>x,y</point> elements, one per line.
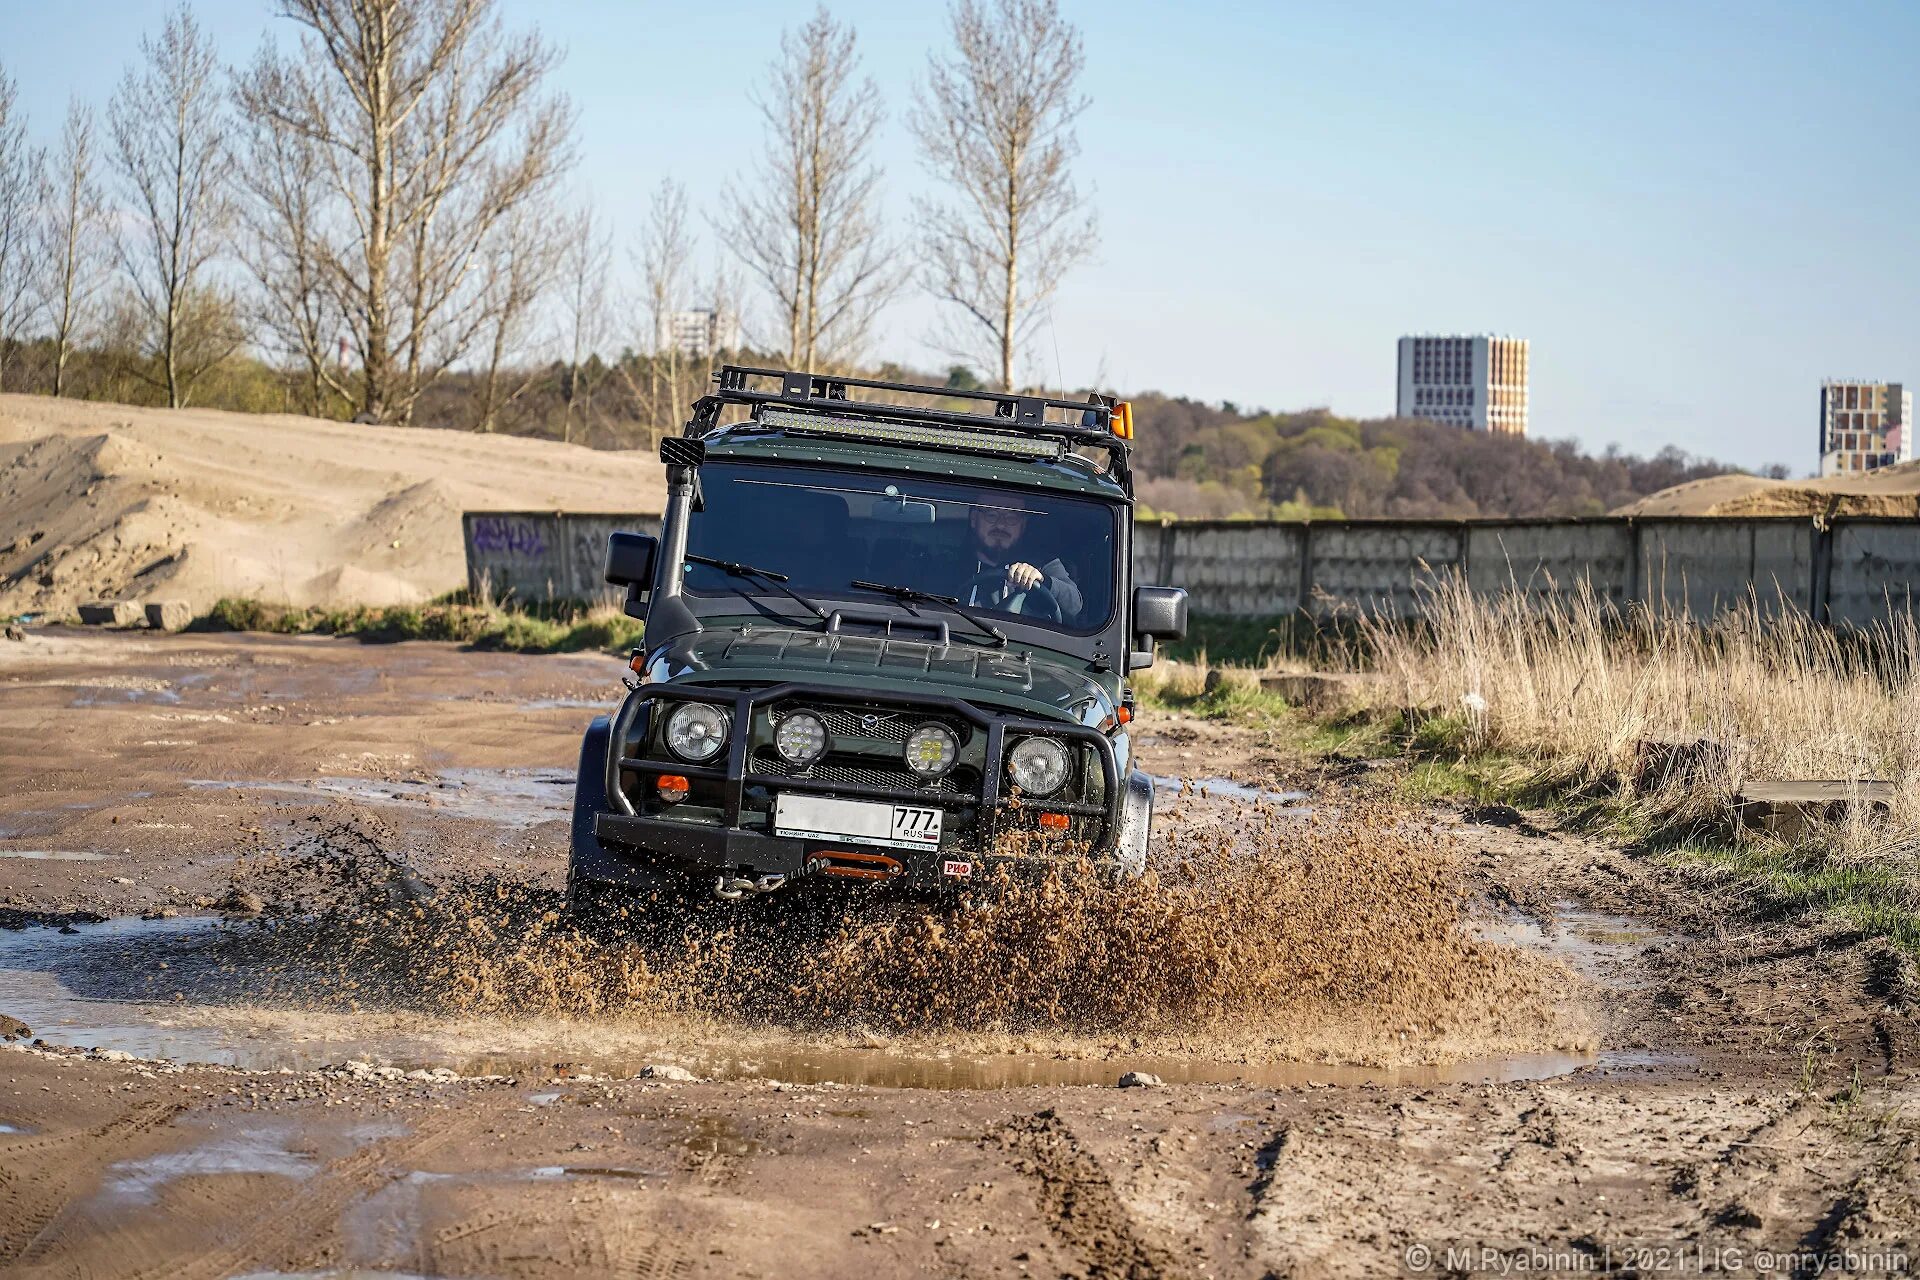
<point>509,536</point>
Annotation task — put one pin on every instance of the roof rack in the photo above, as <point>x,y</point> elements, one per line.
<point>1019,420</point>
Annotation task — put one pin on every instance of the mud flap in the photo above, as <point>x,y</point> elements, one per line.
<point>1136,824</point>
<point>588,860</point>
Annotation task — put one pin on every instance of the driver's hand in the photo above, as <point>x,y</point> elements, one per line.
<point>1023,577</point>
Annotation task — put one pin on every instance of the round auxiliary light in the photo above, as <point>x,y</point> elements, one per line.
<point>696,731</point>
<point>1038,766</point>
<point>801,739</point>
<point>931,750</point>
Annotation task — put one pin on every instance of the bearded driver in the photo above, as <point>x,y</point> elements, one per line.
<point>1002,571</point>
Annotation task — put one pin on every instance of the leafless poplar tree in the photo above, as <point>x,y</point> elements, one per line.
<point>726,294</point>
<point>995,121</point>
<point>586,265</point>
<point>295,307</point>
<point>170,148</point>
<point>807,225</point>
<point>666,249</point>
<point>22,192</point>
<point>75,240</point>
<point>521,265</point>
<point>431,126</point>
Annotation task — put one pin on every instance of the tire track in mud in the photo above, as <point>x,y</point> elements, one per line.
<point>39,1176</point>
<point>592,1236</point>
<point>1879,1203</point>
<point>1745,1183</point>
<point>1773,1177</point>
<point>314,1207</point>
<point>1078,1200</point>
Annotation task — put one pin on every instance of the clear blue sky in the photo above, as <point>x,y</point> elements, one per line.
<point>1696,211</point>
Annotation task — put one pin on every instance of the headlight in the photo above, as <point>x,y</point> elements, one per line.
<point>801,739</point>
<point>1038,766</point>
<point>696,731</point>
<point>931,750</point>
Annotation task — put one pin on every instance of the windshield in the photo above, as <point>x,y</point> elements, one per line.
<point>1039,557</point>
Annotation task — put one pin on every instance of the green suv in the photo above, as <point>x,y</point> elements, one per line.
<point>888,635</point>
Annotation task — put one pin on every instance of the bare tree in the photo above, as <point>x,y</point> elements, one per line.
<point>295,307</point>
<point>432,126</point>
<point>23,191</point>
<point>808,224</point>
<point>725,292</point>
<point>666,248</point>
<point>995,121</point>
<point>75,245</point>
<point>586,263</point>
<point>521,265</point>
<point>169,145</point>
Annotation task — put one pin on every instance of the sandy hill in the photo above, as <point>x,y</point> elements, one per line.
<point>113,502</point>
<point>1891,491</point>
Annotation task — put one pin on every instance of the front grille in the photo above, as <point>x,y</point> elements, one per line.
<point>873,724</point>
<point>865,772</point>
<point>879,726</point>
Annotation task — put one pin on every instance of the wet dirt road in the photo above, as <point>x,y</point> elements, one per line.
<point>1704,1077</point>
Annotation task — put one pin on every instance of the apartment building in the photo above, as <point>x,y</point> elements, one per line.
<point>1478,382</point>
<point>1864,426</point>
<point>700,333</point>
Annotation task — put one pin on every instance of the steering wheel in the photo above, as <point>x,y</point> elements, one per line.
<point>1035,602</point>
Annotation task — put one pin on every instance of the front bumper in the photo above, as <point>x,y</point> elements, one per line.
<point>739,840</point>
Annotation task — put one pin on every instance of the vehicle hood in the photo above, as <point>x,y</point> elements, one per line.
<point>1027,680</point>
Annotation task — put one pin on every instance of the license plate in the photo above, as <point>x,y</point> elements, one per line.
<point>892,826</point>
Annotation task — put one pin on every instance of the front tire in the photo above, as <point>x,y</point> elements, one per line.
<point>609,894</point>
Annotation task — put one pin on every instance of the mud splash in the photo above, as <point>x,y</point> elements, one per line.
<point>1301,938</point>
<point>167,989</point>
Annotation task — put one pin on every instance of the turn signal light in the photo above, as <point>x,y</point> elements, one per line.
<point>1124,715</point>
<point>1054,821</point>
<point>672,787</point>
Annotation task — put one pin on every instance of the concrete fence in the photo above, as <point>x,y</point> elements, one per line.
<point>1850,570</point>
<point>529,556</point>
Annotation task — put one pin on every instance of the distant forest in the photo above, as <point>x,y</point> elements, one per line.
<point>1204,461</point>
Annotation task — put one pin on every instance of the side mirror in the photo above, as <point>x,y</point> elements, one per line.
<point>630,558</point>
<point>1159,613</point>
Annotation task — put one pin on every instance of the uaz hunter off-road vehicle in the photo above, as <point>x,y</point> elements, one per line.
<point>882,635</point>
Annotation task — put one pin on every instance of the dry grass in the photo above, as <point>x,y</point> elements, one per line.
<point>1573,685</point>
<point>485,625</point>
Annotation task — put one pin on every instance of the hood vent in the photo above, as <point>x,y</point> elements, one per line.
<point>895,657</point>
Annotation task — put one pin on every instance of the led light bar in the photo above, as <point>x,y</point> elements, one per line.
<point>1002,443</point>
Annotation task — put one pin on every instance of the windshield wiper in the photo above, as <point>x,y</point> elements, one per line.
<point>915,593</point>
<point>734,569</point>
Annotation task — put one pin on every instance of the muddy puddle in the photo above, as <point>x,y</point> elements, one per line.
<point>513,798</point>
<point>1227,789</point>
<point>261,1148</point>
<point>1593,943</point>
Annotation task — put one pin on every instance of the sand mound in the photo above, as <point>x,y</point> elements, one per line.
<point>1891,491</point>
<point>115,502</point>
